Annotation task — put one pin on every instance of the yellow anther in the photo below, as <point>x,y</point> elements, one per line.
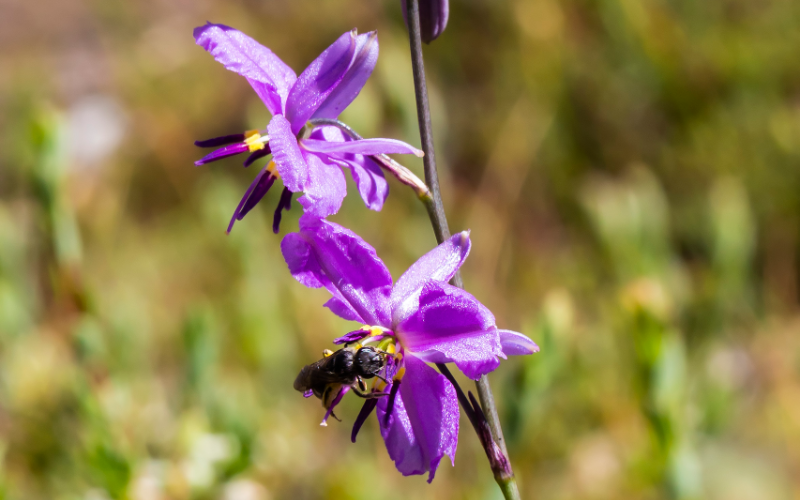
<point>253,140</point>
<point>366,328</point>
<point>375,331</point>
<point>327,352</point>
<point>400,373</point>
<point>357,346</point>
<point>390,349</point>
<point>398,356</point>
<point>273,170</point>
<point>380,385</point>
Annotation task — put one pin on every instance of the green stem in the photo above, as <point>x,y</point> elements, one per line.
<point>505,479</point>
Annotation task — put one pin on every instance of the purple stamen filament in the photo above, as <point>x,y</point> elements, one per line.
<point>366,410</point>
<point>285,203</point>
<point>220,141</point>
<point>390,404</point>
<point>335,402</point>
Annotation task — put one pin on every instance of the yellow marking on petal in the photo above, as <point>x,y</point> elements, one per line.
<point>327,352</point>
<point>401,372</point>
<point>375,331</point>
<point>366,328</point>
<point>253,140</point>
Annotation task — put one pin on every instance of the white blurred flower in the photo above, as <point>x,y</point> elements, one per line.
<point>95,127</point>
<point>244,489</point>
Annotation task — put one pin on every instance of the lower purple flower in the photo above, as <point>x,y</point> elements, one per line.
<point>418,319</point>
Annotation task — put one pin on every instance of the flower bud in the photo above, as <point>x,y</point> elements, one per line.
<point>432,18</point>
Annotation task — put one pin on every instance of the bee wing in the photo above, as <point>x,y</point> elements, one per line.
<point>317,374</point>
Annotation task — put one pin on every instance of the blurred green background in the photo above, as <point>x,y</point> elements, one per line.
<point>630,173</point>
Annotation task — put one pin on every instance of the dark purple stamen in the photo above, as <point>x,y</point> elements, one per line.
<point>285,203</point>
<point>220,141</point>
<point>390,404</point>
<point>351,337</point>
<point>336,400</point>
<point>366,410</point>
<point>240,212</point>
<point>233,149</point>
<point>260,190</point>
<point>255,155</point>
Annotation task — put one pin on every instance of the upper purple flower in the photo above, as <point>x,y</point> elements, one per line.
<point>418,319</point>
<point>308,160</point>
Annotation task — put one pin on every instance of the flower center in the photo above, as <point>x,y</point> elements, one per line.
<point>385,341</point>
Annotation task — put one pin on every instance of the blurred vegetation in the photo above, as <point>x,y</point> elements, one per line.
<point>630,172</point>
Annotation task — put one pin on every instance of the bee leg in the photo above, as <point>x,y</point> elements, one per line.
<point>334,416</point>
<point>362,386</point>
<point>370,395</point>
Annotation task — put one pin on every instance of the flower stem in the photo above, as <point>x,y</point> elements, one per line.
<point>505,478</point>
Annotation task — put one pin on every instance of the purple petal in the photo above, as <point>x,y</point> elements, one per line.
<point>326,254</point>
<point>369,178</point>
<point>366,56</point>
<point>516,344</point>
<point>325,189</point>
<point>275,102</point>
<point>224,152</point>
<point>371,183</point>
<point>241,54</point>
<point>342,309</point>
<point>287,155</point>
<point>305,268</point>
<point>440,264</point>
<point>451,326</point>
<point>361,147</point>
<point>433,16</point>
<point>319,80</point>
<point>424,422</point>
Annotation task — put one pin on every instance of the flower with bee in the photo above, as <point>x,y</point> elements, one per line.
<point>416,320</point>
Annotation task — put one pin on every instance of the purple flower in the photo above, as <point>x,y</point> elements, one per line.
<point>418,319</point>
<point>433,16</point>
<point>307,159</point>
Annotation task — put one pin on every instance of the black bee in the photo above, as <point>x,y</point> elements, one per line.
<point>346,367</point>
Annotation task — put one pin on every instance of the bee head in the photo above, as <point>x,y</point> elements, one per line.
<point>368,362</point>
